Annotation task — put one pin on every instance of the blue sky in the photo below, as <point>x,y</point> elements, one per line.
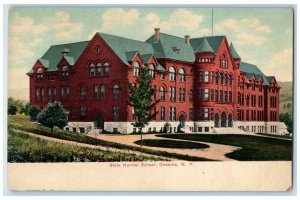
<point>262,36</point>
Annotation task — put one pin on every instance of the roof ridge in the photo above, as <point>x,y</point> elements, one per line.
<point>172,35</point>
<point>121,37</point>
<point>69,43</point>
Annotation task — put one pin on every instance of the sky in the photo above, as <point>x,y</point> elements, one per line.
<point>261,36</point>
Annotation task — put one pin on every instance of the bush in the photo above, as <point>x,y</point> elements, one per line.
<point>12,110</point>
<point>167,127</point>
<point>33,112</point>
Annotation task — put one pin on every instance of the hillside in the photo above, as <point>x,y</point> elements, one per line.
<point>286,97</point>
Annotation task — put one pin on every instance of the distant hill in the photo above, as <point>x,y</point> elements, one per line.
<point>286,97</point>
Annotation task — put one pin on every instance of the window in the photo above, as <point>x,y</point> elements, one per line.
<point>221,95</point>
<point>163,77</point>
<point>200,94</point>
<point>172,91</point>
<point>49,94</point>
<point>206,95</point>
<point>163,114</point>
<point>162,93</point>
<point>116,91</point>
<point>230,79</point>
<point>154,92</point>
<point>67,92</point>
<point>116,112</point>
<point>172,113</point>
<point>151,70</point>
<point>39,72</point>
<point>92,69</point>
<point>65,72</point>
<point>226,79</point>
<point>54,93</point>
<point>217,77</point>
<point>99,69</point>
<point>182,94</point>
<point>230,96</point>
<point>226,96</point>
<point>82,111</point>
<point>212,95</point>
<point>206,110</point>
<point>82,92</point>
<point>136,69</point>
<point>181,75</point>
<point>102,91</point>
<point>206,76</point>
<point>200,76</point>
<point>43,94</point>
<point>191,114</point>
<point>191,94</point>
<point>106,69</point>
<point>217,95</point>
<point>221,77</point>
<point>200,114</point>
<point>172,73</point>
<point>212,77</point>
<point>96,91</point>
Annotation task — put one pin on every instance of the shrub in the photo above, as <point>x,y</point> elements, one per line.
<point>33,112</point>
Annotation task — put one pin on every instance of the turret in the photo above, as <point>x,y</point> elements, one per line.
<point>204,53</point>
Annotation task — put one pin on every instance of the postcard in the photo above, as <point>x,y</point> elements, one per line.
<point>150,99</point>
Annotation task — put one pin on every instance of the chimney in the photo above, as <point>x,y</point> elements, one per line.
<point>64,52</point>
<point>187,39</point>
<point>156,37</point>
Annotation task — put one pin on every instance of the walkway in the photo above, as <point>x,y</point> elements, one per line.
<point>214,152</point>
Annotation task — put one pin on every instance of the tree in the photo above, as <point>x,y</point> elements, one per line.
<point>53,115</point>
<point>140,99</point>
<point>33,112</point>
<point>12,109</point>
<point>287,119</point>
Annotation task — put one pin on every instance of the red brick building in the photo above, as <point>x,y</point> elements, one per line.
<point>202,83</point>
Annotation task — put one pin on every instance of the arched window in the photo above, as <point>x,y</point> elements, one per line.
<point>181,75</point>
<point>151,70</point>
<point>226,79</point>
<point>136,69</point>
<point>83,92</point>
<point>162,93</point>
<point>106,68</point>
<point>217,77</point>
<point>65,72</point>
<point>116,91</point>
<point>221,77</point>
<point>92,69</point>
<point>99,69</point>
<point>206,76</point>
<point>39,72</point>
<point>172,73</point>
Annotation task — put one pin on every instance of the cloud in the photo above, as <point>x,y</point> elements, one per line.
<point>281,65</point>
<point>18,83</point>
<point>63,27</point>
<point>247,31</point>
<point>19,51</point>
<point>24,25</point>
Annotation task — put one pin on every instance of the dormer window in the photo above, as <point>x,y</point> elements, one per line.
<point>65,72</point>
<point>106,68</point>
<point>181,75</point>
<point>92,69</point>
<point>39,72</point>
<point>172,73</point>
<point>99,69</point>
<point>176,50</point>
<point>136,69</point>
<point>151,71</point>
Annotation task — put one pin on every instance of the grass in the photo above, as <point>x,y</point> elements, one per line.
<point>21,122</point>
<point>26,148</point>
<point>172,144</point>
<point>253,148</point>
<point>276,136</point>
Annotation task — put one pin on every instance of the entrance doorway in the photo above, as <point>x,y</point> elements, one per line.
<point>99,122</point>
<point>223,119</point>
<point>182,120</point>
<point>230,120</point>
<point>217,120</point>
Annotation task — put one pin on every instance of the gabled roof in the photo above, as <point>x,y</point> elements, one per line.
<point>45,63</point>
<point>52,56</point>
<point>159,67</point>
<point>130,55</point>
<point>253,69</point>
<point>121,45</point>
<point>204,47</point>
<point>233,52</point>
<point>214,42</point>
<point>165,48</point>
<point>146,58</point>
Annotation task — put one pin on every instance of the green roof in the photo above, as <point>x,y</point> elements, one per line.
<point>233,52</point>
<point>165,48</point>
<point>121,45</point>
<point>53,55</point>
<point>214,42</point>
<point>204,47</point>
<point>130,55</point>
<point>253,69</point>
<point>146,58</point>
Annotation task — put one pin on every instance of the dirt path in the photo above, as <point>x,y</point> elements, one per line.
<point>215,151</point>
<point>111,149</point>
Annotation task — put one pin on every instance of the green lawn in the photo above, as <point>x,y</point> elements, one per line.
<point>254,148</point>
<point>277,136</point>
<point>26,148</point>
<point>21,122</point>
<point>171,144</point>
